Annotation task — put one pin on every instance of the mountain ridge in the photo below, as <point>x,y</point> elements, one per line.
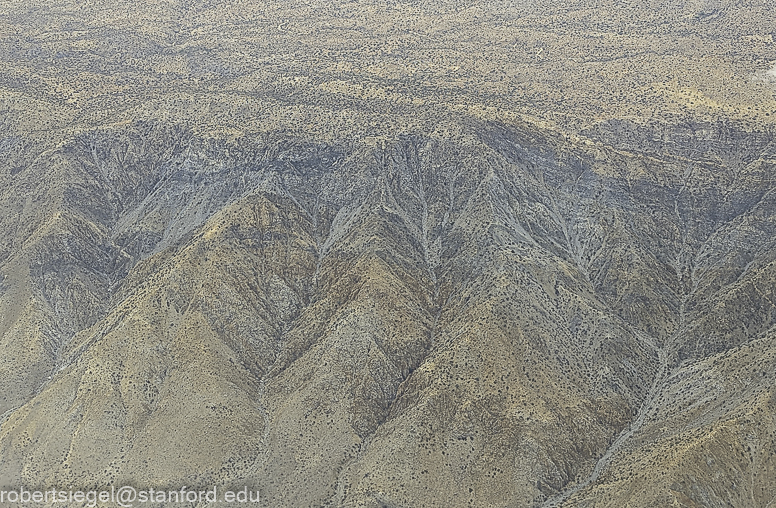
<point>379,255</point>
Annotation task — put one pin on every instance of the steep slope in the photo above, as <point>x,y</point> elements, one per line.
<point>474,321</point>
<point>378,254</point>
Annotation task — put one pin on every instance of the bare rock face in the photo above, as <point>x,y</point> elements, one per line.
<point>347,283</point>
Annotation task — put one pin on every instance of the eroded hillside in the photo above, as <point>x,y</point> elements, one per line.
<point>386,255</point>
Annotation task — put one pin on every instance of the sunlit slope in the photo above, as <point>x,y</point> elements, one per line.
<point>368,254</point>
<point>351,324</point>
